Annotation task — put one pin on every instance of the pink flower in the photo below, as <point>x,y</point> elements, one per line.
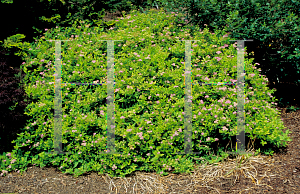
<point>42,136</point>
<point>84,144</point>
<point>9,154</point>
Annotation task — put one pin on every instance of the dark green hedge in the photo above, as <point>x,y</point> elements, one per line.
<point>274,25</point>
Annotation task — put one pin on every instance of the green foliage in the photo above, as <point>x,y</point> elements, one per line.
<point>51,13</point>
<point>14,42</point>
<point>7,1</point>
<point>292,109</point>
<point>274,25</point>
<point>149,98</point>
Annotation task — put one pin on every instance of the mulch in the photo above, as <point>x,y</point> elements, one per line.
<point>279,173</point>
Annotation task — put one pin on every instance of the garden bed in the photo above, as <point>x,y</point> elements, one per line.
<point>279,173</point>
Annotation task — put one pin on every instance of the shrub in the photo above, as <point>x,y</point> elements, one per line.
<point>149,99</point>
<point>274,25</point>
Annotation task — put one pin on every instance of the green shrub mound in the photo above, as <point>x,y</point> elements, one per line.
<point>149,98</point>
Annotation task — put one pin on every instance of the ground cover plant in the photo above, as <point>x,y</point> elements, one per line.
<point>149,99</point>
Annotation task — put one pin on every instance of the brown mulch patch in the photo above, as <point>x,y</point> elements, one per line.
<point>279,173</point>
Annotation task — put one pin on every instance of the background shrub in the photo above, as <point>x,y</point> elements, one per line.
<point>274,26</point>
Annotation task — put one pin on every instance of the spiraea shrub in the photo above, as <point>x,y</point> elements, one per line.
<point>149,70</point>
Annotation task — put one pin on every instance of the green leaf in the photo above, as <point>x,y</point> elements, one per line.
<point>7,1</point>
